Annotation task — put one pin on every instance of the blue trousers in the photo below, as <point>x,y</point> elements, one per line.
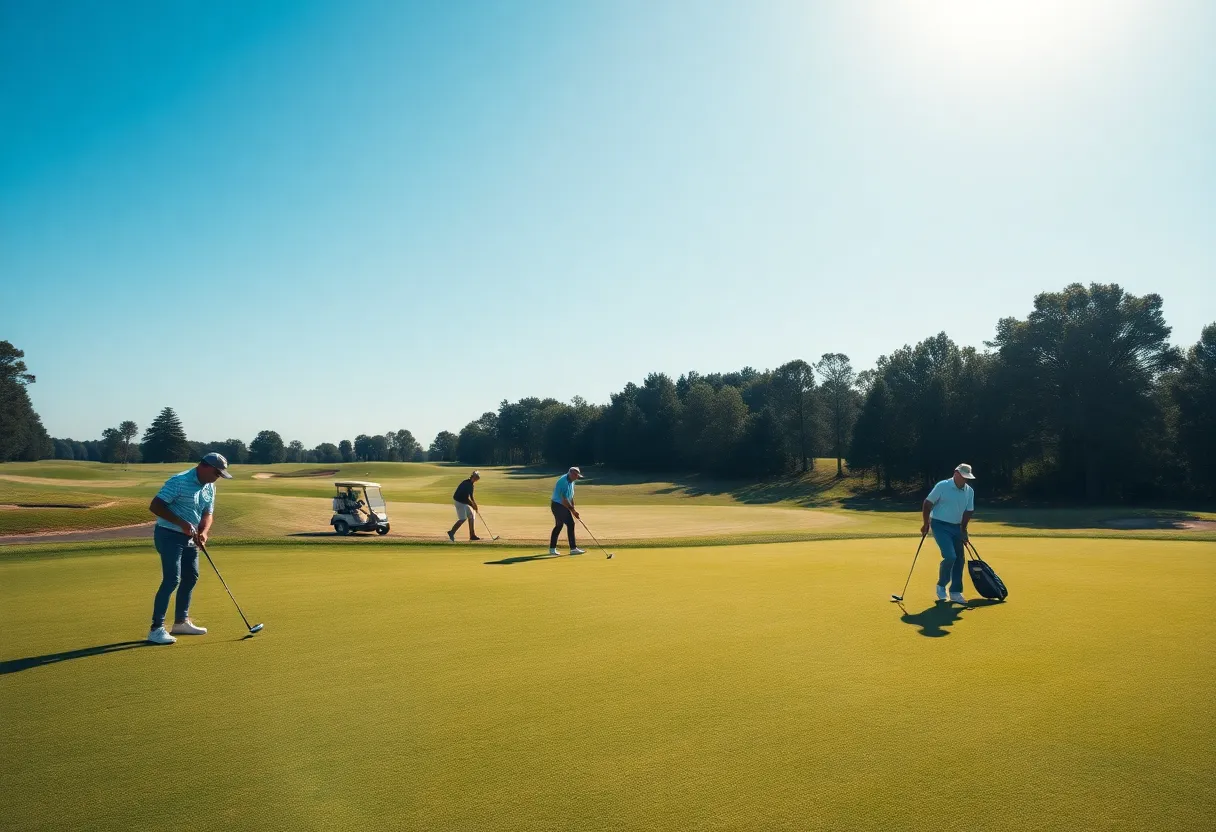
<point>949,537</point>
<point>178,566</point>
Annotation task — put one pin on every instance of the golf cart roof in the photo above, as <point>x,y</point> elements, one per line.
<point>357,484</point>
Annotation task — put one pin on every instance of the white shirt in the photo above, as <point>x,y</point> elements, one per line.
<point>949,501</point>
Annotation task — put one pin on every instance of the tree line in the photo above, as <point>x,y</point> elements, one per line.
<point>1084,398</point>
<point>165,441</point>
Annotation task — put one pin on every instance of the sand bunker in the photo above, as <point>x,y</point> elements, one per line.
<point>319,472</point>
<point>1161,523</point>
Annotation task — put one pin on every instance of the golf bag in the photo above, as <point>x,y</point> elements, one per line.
<point>983,577</point>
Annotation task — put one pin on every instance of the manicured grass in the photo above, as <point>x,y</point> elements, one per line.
<point>751,687</point>
<point>516,501</point>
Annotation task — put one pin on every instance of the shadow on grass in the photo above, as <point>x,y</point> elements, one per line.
<point>17,665</point>
<point>520,559</point>
<point>934,620</point>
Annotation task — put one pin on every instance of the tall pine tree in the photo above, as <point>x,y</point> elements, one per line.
<point>165,439</point>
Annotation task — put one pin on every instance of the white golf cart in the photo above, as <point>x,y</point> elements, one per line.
<point>359,507</point>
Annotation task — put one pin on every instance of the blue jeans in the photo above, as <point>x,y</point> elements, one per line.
<point>178,565</point>
<point>949,537</point>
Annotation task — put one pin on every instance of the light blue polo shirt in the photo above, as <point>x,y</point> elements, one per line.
<point>564,488</point>
<point>950,501</point>
<point>186,497</point>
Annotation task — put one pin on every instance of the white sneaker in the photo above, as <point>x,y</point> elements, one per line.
<point>161,636</point>
<point>188,628</point>
<point>957,597</point>
<point>577,551</point>
<point>941,593</point>
<point>554,552</point>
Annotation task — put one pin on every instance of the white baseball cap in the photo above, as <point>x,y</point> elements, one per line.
<point>965,469</point>
<point>575,470</point>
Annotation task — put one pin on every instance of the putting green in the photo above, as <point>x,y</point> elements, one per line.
<point>745,687</point>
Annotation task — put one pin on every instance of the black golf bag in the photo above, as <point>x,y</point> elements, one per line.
<point>983,577</point>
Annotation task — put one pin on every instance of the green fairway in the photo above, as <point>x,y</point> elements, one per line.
<point>745,687</point>
<point>285,501</point>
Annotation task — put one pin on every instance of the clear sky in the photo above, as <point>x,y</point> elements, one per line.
<point>332,218</point>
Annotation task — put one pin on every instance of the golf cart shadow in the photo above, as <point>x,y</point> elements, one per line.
<point>934,620</point>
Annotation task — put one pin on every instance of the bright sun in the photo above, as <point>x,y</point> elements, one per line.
<point>1003,39</point>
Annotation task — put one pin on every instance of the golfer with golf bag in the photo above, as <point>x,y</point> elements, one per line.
<point>947,511</point>
<point>184,508</point>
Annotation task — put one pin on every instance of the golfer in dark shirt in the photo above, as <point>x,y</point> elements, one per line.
<point>466,507</point>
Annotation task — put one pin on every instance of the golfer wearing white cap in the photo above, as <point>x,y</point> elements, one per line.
<point>184,507</point>
<point>564,512</point>
<point>947,510</point>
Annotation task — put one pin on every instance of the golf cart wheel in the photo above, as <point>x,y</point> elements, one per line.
<point>341,528</point>
<point>382,530</point>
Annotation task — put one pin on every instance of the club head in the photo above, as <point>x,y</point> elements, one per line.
<point>895,599</point>
<point>256,628</point>
<point>610,556</point>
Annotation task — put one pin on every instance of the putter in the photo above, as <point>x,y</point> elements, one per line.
<point>487,525</point>
<point>895,599</point>
<point>256,628</point>
<point>597,543</point>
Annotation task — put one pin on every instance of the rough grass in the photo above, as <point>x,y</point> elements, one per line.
<point>763,687</point>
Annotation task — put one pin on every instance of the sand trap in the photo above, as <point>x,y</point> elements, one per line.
<point>1161,523</point>
<point>263,476</point>
<point>293,475</point>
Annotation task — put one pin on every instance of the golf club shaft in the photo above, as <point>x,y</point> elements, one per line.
<point>597,543</point>
<point>913,569</point>
<point>225,583</point>
<point>482,517</point>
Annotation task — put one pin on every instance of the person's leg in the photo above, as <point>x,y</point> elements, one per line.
<point>558,522</point>
<point>472,525</point>
<point>460,517</point>
<point>570,529</point>
<point>168,546</point>
<point>944,536</point>
<point>960,560</point>
<point>189,577</point>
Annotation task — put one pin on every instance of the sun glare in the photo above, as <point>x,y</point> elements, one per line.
<point>990,40</point>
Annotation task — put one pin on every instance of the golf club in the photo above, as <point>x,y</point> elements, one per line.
<point>597,543</point>
<point>897,598</point>
<point>487,525</point>
<point>256,628</point>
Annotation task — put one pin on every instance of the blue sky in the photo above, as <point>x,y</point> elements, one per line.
<point>338,218</point>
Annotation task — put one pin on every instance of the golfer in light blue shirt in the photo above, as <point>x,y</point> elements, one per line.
<point>564,512</point>
<point>947,511</point>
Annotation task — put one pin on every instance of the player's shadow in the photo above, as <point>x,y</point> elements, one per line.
<point>17,665</point>
<point>520,559</point>
<point>934,620</point>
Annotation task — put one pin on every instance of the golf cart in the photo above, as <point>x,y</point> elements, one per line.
<point>359,507</point>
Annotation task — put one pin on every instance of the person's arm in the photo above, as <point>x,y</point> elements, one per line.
<point>161,509</point>
<point>568,503</point>
<point>966,520</point>
<point>924,513</point>
<point>204,527</point>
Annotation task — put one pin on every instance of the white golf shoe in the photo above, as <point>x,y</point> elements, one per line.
<point>957,597</point>
<point>554,552</point>
<point>577,551</point>
<point>941,593</point>
<point>188,628</point>
<point>161,636</point>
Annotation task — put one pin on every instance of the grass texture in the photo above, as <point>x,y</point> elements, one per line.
<point>748,687</point>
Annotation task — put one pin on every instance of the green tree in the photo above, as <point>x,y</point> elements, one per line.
<point>406,445</point>
<point>22,435</point>
<point>1194,393</point>
<point>794,383</point>
<point>872,448</point>
<point>1086,363</point>
<point>295,451</point>
<point>346,450</point>
<point>327,453</point>
<point>267,448</point>
<point>165,439</point>
<point>127,431</point>
<point>838,391</point>
<point>443,448</point>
